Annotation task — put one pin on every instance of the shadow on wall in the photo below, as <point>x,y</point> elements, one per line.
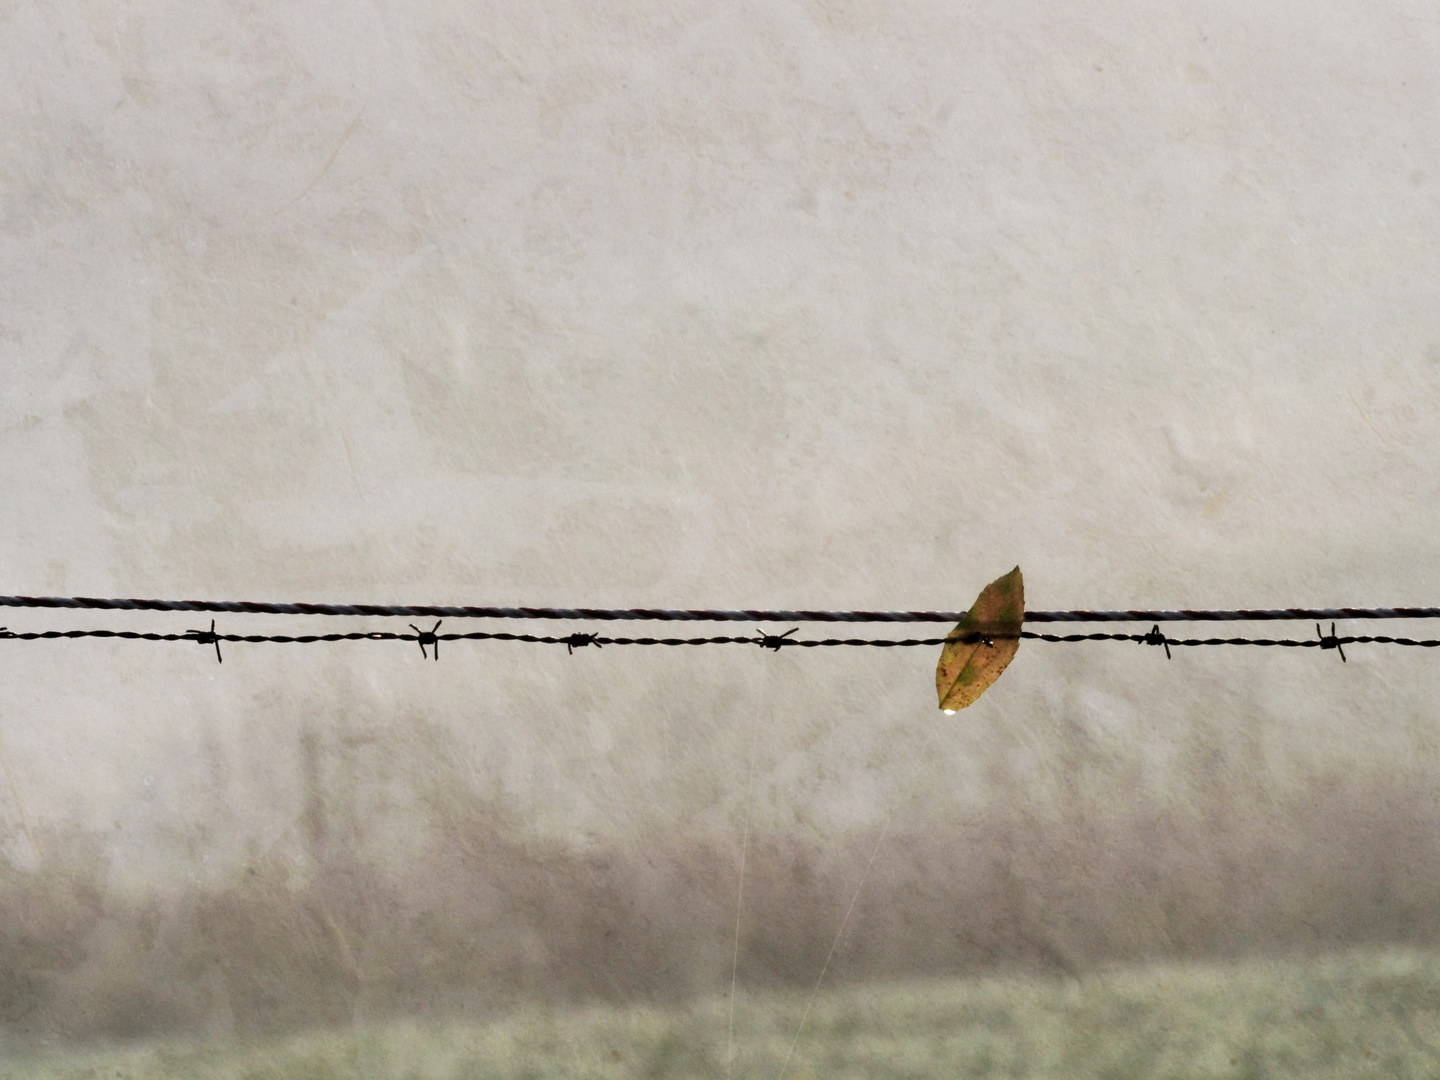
<point>474,917</point>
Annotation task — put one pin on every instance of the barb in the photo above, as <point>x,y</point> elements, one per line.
<point>774,642</point>
<point>1332,642</point>
<point>1155,637</point>
<point>208,637</point>
<point>579,641</point>
<point>428,637</point>
<point>428,611</point>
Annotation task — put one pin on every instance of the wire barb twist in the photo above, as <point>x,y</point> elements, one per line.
<point>428,637</point>
<point>208,637</point>
<point>774,642</point>
<point>579,641</point>
<point>1155,637</point>
<point>1331,642</point>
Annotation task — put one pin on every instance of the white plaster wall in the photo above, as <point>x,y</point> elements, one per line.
<point>783,304</point>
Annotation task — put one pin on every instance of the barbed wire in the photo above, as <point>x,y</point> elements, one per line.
<point>429,611</point>
<point>429,640</point>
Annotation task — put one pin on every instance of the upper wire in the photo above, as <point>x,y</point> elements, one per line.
<point>430,611</point>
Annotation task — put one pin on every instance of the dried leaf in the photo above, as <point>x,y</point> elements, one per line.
<point>982,643</point>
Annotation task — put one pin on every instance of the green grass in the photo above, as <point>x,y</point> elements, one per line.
<point>1353,1016</point>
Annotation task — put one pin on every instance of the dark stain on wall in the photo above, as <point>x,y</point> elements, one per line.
<point>473,916</point>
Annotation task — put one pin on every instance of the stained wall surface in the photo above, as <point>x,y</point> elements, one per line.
<point>772,305</point>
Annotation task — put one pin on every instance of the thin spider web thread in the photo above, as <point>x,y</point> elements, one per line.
<point>826,966</point>
<point>740,891</point>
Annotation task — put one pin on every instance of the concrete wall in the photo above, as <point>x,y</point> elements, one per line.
<point>815,305</point>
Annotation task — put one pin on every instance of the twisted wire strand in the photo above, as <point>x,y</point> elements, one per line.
<point>255,607</point>
<point>430,639</point>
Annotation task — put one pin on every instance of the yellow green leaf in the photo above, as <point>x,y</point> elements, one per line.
<point>982,643</point>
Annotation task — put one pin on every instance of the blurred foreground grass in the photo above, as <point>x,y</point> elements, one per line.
<point>1357,1015</point>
